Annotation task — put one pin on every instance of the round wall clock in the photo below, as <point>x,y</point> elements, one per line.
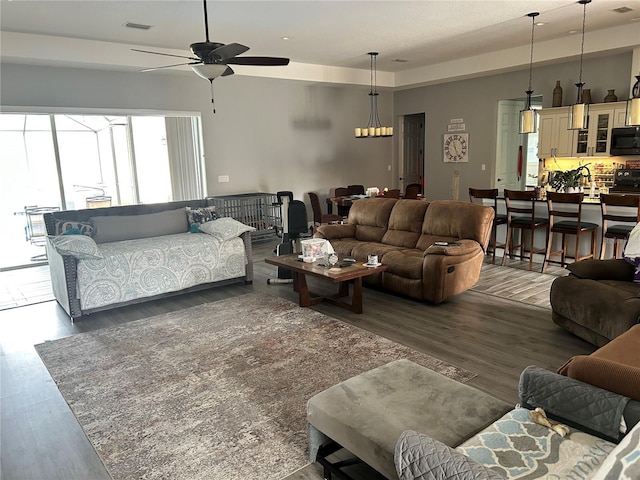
<point>455,147</point>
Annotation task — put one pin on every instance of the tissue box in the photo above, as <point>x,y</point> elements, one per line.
<point>312,249</point>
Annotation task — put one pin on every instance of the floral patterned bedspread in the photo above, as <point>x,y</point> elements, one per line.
<point>145,267</point>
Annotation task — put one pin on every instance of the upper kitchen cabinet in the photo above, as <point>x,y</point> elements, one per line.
<point>554,138</point>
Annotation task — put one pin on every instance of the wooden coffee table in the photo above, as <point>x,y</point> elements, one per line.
<point>343,276</point>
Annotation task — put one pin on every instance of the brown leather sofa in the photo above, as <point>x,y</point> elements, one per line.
<point>597,301</point>
<point>403,232</point>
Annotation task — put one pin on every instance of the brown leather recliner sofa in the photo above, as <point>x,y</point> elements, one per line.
<point>403,232</point>
<point>597,301</point>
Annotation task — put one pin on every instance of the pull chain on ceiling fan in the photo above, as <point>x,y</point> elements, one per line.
<point>212,59</point>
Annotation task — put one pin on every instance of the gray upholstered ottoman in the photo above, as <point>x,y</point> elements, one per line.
<point>367,413</point>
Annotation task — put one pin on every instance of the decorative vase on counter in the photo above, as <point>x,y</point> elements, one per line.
<point>586,95</point>
<point>611,96</point>
<point>557,95</point>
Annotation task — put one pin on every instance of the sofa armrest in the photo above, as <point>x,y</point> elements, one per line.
<point>463,247</point>
<point>577,403</point>
<point>420,457</point>
<point>330,232</point>
<point>603,373</point>
<point>612,269</point>
<point>62,269</point>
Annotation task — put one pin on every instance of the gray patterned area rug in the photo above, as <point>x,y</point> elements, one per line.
<point>216,391</point>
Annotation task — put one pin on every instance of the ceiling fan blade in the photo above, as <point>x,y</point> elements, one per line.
<point>227,51</point>
<point>266,61</point>
<point>227,72</point>
<point>169,66</point>
<point>165,54</point>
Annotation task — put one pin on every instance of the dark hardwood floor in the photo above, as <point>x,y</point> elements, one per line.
<point>491,336</point>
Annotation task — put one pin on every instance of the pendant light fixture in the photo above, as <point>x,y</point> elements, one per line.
<point>633,105</point>
<point>579,113</point>
<point>374,128</point>
<point>529,116</point>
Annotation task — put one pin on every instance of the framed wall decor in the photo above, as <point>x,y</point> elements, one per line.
<point>455,147</point>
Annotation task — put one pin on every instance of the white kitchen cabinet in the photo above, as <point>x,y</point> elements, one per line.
<point>554,139</point>
<point>596,139</point>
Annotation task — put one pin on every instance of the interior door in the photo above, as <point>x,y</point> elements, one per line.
<point>413,151</point>
<point>508,143</point>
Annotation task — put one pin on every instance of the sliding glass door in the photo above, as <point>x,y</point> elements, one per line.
<point>68,161</point>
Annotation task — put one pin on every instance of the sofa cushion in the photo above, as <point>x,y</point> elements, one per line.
<point>82,247</point>
<point>611,269</point>
<point>405,223</point>
<point>370,216</point>
<point>623,463</point>
<point>454,219</point>
<point>516,447</point>
<point>225,228</point>
<point>115,228</point>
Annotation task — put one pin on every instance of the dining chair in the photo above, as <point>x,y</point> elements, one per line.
<point>355,189</point>
<point>343,210</point>
<point>568,206</point>
<point>320,218</point>
<point>479,195</point>
<point>392,193</point>
<point>627,212</point>
<point>521,215</point>
<point>412,190</point>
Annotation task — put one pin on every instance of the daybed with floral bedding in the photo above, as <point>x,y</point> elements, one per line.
<point>110,257</point>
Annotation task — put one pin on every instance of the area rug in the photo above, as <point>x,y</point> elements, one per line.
<point>216,391</point>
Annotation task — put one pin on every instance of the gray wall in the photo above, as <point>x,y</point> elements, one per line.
<point>267,134</point>
<point>476,100</point>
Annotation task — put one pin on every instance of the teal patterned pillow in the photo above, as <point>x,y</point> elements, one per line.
<point>62,227</point>
<point>225,228</point>
<point>80,246</point>
<point>623,463</point>
<point>197,216</point>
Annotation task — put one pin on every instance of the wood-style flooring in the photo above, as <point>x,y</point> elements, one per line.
<point>491,336</point>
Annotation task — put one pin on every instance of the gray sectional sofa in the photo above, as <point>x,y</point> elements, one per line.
<point>114,256</point>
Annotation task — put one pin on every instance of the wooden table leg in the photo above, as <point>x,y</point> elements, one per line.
<point>356,300</point>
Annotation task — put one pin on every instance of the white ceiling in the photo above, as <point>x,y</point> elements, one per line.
<point>323,33</point>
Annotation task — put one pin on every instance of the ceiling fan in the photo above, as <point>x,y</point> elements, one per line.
<point>212,59</point>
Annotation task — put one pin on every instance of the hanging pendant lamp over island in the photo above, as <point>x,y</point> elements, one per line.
<point>633,105</point>
<point>374,128</point>
<point>579,113</point>
<point>529,116</point>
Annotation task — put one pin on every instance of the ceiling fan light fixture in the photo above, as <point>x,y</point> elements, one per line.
<point>579,111</point>
<point>374,128</point>
<point>209,71</point>
<point>529,116</point>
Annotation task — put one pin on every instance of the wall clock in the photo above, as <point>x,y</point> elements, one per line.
<point>455,147</point>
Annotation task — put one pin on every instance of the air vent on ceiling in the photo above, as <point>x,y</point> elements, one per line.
<point>139,26</point>
<point>623,9</point>
<point>400,60</point>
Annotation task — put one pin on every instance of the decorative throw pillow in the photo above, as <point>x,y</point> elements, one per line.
<point>623,462</point>
<point>197,216</point>
<point>79,246</point>
<point>225,228</point>
<point>62,227</point>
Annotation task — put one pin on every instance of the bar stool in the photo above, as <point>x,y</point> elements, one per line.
<point>477,195</point>
<point>630,204</point>
<point>568,205</point>
<point>521,215</point>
